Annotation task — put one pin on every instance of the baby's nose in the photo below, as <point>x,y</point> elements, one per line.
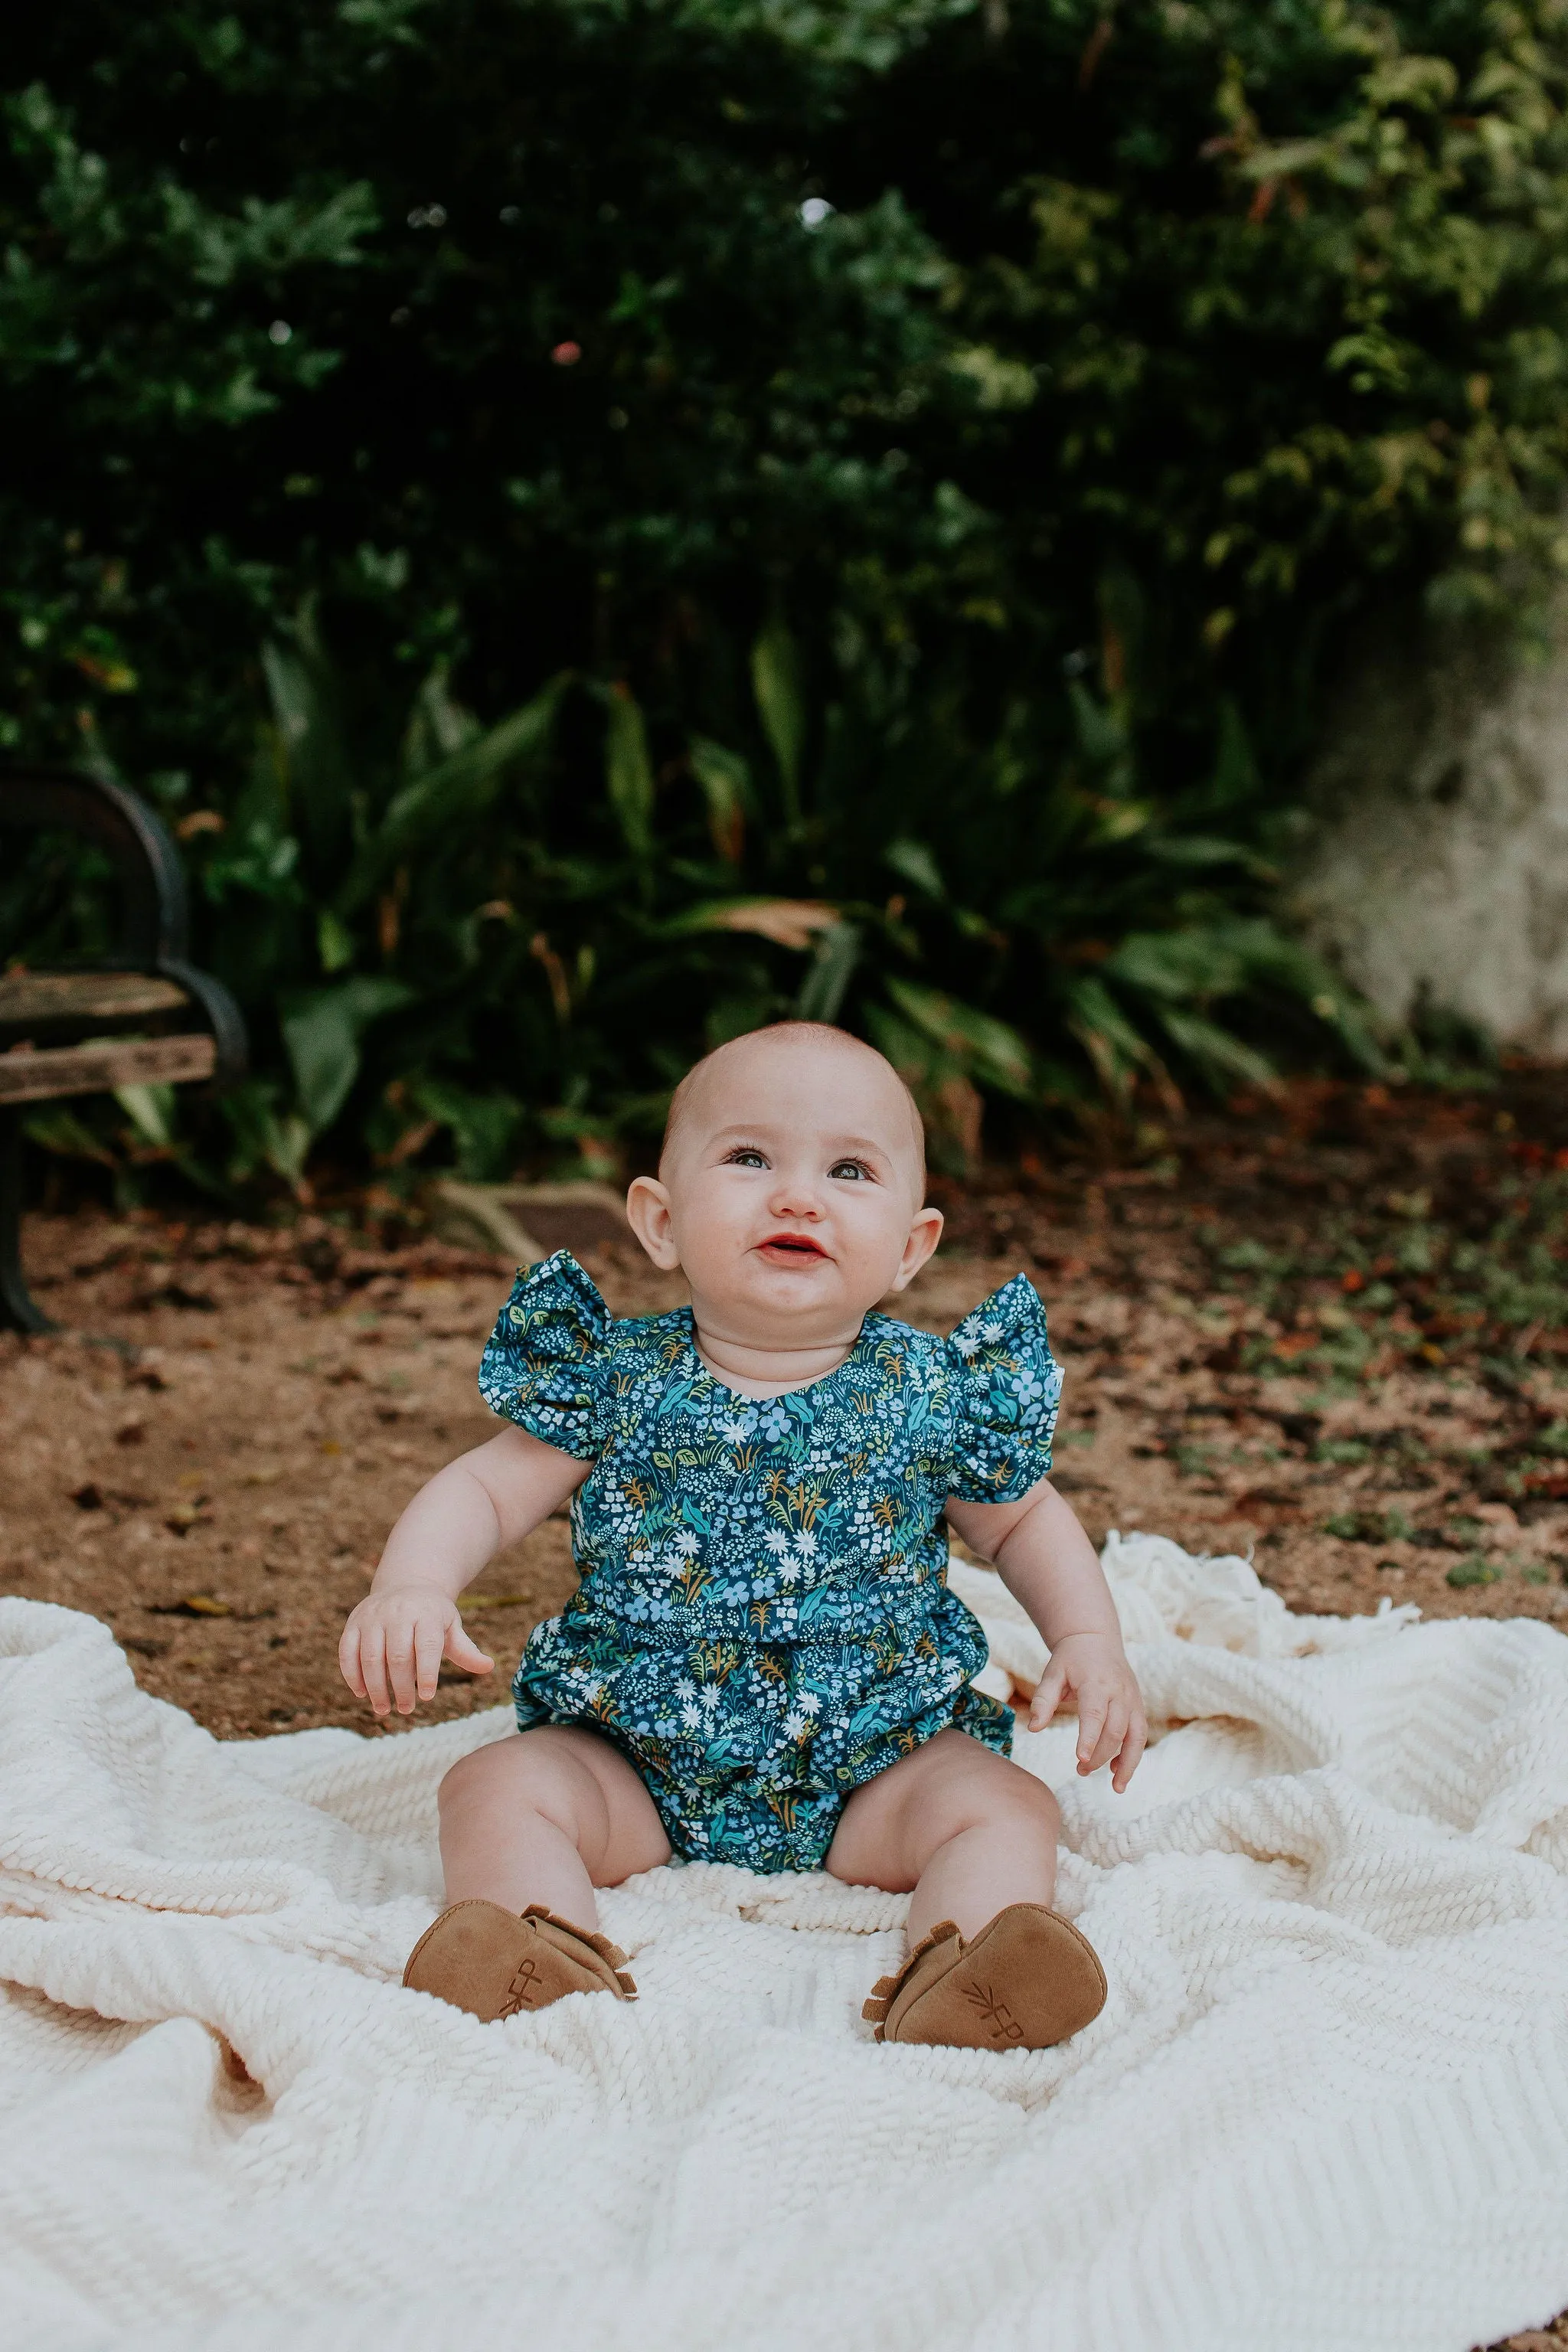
<point>795,1194</point>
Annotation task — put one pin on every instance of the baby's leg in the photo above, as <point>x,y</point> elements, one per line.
<point>544,1817</point>
<point>962,1827</point>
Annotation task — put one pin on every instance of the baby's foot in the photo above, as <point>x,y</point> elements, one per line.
<point>486,1959</point>
<point>1027,1980</point>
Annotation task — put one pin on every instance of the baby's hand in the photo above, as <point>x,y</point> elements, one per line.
<point>394,1643</point>
<point>1111,1720</point>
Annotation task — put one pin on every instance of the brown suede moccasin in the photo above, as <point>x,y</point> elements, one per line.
<point>486,1959</point>
<point>1025,1982</point>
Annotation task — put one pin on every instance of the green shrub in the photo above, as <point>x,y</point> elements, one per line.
<point>1474,1570</point>
<point>1369,1527</point>
<point>913,462</point>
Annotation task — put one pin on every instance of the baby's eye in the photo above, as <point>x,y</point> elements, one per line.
<point>854,1170</point>
<point>745,1157</point>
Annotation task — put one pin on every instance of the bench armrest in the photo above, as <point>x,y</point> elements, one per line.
<point>155,909</point>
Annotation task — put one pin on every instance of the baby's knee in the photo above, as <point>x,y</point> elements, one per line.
<point>471,1782</point>
<point>520,1773</point>
<point>1017,1800</point>
<point>991,1793</point>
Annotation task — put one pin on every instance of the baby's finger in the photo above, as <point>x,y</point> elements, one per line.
<point>400,1668</point>
<point>1133,1748</point>
<point>1048,1696</point>
<point>464,1652</point>
<point>1112,1732</point>
<point>1090,1721</point>
<point>348,1661</point>
<point>373,1666</point>
<point>429,1640</point>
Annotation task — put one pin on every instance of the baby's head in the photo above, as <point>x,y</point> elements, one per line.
<point>792,1185</point>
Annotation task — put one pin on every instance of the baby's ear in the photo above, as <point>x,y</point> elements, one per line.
<point>925,1232</point>
<point>648,1213</point>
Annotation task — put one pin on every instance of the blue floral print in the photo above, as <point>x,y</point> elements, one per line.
<point>763,1621</point>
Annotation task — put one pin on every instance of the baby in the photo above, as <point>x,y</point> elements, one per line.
<point>762,1662</point>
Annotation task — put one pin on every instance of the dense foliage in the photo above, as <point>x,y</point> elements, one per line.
<point>888,474</point>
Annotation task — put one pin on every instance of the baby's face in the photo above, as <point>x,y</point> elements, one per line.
<point>790,1191</point>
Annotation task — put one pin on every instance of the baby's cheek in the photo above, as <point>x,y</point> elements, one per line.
<point>711,1227</point>
<point>872,1237</point>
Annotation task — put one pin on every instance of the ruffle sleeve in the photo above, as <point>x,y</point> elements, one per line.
<point>1006,1387</point>
<point>545,1364</point>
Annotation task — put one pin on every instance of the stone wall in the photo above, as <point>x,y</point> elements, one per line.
<point>1435,871</point>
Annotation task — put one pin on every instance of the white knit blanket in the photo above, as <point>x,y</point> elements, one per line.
<point>1326,2104</point>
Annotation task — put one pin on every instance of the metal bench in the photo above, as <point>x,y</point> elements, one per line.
<point>66,1031</point>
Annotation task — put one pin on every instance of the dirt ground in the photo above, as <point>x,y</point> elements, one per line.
<point>1259,1358</point>
<point>1330,1330</point>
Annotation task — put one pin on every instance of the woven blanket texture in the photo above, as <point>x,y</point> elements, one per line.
<point>1326,2104</point>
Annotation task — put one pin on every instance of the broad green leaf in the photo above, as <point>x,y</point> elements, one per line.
<point>457,791</point>
<point>286,1147</point>
<point>56,1128</point>
<point>1102,730</point>
<point>483,1126</point>
<point>261,1137</point>
<point>1179,965</point>
<point>1121,819</point>
<point>988,1049</point>
<point>780,704</point>
<point>1224,1059</point>
<point>150,1111</point>
<point>1250,955</point>
<point>301,689</point>
<point>321,1033</point>
<point>950,1106</point>
<point>788,922</point>
<point>334,941</point>
<point>438,727</point>
<point>629,770</point>
<point>726,785</point>
<point>1117,1049</point>
<point>1202,850</point>
<point>1234,780</point>
<point>829,975</point>
<point>914,862</point>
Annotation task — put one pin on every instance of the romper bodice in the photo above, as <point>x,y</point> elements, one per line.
<point>708,1510</point>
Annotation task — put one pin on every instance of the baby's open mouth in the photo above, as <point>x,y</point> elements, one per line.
<point>783,1247</point>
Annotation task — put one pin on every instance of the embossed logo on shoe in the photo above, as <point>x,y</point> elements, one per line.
<point>1000,2022</point>
<point>521,1991</point>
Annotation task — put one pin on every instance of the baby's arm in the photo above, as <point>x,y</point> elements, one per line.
<point>1048,1563</point>
<point>394,1643</point>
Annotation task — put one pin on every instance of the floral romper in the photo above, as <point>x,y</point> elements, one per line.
<point>763,1620</point>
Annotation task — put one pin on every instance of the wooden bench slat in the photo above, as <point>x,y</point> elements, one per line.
<point>28,996</point>
<point>43,1076</point>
